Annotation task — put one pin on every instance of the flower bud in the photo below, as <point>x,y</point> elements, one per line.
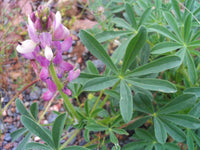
<point>48,53</point>
<point>26,46</point>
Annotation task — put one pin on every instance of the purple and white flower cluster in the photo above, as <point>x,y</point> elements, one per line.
<point>49,38</point>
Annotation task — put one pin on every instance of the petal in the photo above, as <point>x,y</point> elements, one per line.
<point>57,19</point>
<point>33,34</point>
<point>65,66</point>
<point>67,91</point>
<point>51,85</point>
<point>44,74</point>
<point>45,39</point>
<point>26,46</point>
<point>61,33</point>
<point>38,25</point>
<point>57,45</point>
<point>66,44</point>
<point>47,95</point>
<point>58,58</point>
<point>43,61</point>
<point>48,53</point>
<point>73,75</point>
<point>30,22</point>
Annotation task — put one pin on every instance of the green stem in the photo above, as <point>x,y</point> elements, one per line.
<point>59,87</point>
<point>97,101</point>
<point>107,96</point>
<point>70,139</point>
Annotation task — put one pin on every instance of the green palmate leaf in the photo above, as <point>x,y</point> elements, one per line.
<point>113,138</point>
<point>108,35</point>
<point>87,135</point>
<point>136,145</point>
<point>84,77</point>
<point>86,106</point>
<point>171,146</point>
<point>112,93</point>
<point>122,23</point>
<point>159,146</point>
<point>91,67</point>
<point>175,132</point>
<point>34,145</point>
<point>58,129</point>
<point>162,30</point>
<point>153,84</point>
<point>34,110</point>
<point>17,133</point>
<point>160,132</point>
<point>176,8</point>
<point>134,46</point>
<point>142,103</point>
<point>22,109</point>
<point>194,90</point>
<point>99,83</point>
<point>36,129</point>
<point>144,16</point>
<point>22,144</point>
<point>93,126</point>
<point>120,131</point>
<point>119,52</point>
<point>75,148</point>
<point>126,102</point>
<point>179,103</point>
<point>173,24</point>
<point>131,15</point>
<point>184,120</point>
<point>144,134</point>
<point>191,67</point>
<point>96,49</point>
<point>187,27</point>
<point>189,140</point>
<point>181,53</point>
<point>143,91</point>
<point>138,122</point>
<point>156,66</point>
<point>164,47</point>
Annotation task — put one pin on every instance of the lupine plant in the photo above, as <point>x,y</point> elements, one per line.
<point>150,84</point>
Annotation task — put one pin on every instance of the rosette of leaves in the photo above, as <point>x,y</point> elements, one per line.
<point>182,35</point>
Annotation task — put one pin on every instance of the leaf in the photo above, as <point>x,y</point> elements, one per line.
<point>17,133</point>
<point>184,120</point>
<point>134,46</point>
<point>136,145</point>
<point>165,47</point>
<point>108,35</point>
<point>194,44</point>
<point>91,67</point>
<point>120,131</point>
<point>87,135</point>
<point>195,111</point>
<point>34,110</point>
<point>145,16</point>
<point>176,8</point>
<point>171,146</point>
<point>113,138</point>
<point>143,91</point>
<point>191,68</point>
<point>187,27</point>
<point>173,24</point>
<point>75,148</point>
<point>179,103</point>
<point>189,140</point>
<point>22,144</point>
<point>93,126</point>
<point>153,84</point>
<point>86,107</point>
<point>144,134</point>
<point>22,109</point>
<point>99,83</point>
<point>193,90</point>
<point>156,66</point>
<point>142,103</point>
<point>131,15</point>
<point>122,23</point>
<point>160,132</point>
<point>126,102</point>
<point>159,146</point>
<point>139,122</point>
<point>57,129</point>
<point>34,145</point>
<point>84,77</point>
<point>162,30</point>
<point>196,138</point>
<point>96,49</point>
<point>36,129</point>
<point>175,132</point>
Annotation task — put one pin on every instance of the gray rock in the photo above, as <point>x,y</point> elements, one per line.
<point>99,65</point>
<point>35,93</point>
<point>51,117</point>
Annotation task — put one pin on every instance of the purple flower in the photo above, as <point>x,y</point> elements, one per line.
<point>66,90</point>
<point>51,90</point>
<point>73,75</point>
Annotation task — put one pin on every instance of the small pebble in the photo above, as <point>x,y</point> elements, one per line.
<point>7,137</point>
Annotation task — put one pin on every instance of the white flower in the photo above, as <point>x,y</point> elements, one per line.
<point>48,53</point>
<point>26,46</point>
